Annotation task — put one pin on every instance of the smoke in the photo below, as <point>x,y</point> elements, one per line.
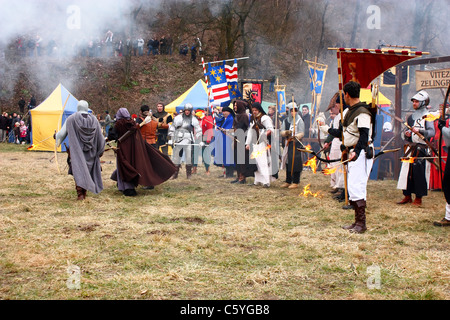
<point>62,26</point>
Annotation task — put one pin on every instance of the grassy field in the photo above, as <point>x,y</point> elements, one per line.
<point>205,238</point>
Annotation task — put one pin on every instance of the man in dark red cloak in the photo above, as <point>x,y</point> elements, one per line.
<point>138,163</point>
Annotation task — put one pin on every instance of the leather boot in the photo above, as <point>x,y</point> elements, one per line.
<point>351,226</point>
<point>229,172</point>
<point>340,195</point>
<point>406,199</point>
<point>175,175</point>
<point>417,201</point>
<point>360,225</point>
<point>188,171</point>
<point>81,193</point>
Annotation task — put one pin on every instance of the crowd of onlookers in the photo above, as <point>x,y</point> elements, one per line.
<point>16,127</point>
<point>108,45</point>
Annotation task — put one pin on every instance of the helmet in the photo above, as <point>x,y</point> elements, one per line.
<point>188,106</point>
<point>292,105</point>
<point>423,97</point>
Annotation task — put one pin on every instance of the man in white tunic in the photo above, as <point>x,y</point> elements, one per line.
<point>261,127</point>
<point>357,127</point>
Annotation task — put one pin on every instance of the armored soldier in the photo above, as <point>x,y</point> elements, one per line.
<point>412,178</point>
<point>184,133</point>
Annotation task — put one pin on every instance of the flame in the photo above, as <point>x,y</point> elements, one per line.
<point>312,163</point>
<point>409,160</point>
<point>328,171</point>
<point>431,117</point>
<point>307,192</point>
<point>256,154</point>
<point>308,147</point>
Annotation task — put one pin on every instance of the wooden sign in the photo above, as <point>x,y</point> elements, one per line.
<point>432,79</point>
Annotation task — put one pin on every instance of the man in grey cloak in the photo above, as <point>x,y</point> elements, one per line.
<point>87,144</point>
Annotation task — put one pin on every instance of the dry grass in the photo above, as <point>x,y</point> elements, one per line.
<point>205,238</point>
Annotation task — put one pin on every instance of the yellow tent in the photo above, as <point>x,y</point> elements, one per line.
<point>366,96</point>
<point>49,116</point>
<point>197,95</point>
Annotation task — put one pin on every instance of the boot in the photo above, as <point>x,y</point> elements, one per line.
<point>81,193</point>
<point>175,175</point>
<point>229,172</point>
<point>340,195</point>
<point>188,171</point>
<point>194,170</point>
<point>360,223</point>
<point>293,186</point>
<point>130,193</point>
<point>417,201</point>
<point>242,179</point>
<point>406,199</point>
<point>348,227</point>
<point>285,185</point>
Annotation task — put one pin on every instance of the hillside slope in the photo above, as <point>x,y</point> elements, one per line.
<point>100,81</point>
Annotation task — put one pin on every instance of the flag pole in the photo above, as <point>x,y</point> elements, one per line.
<point>209,91</point>
<point>243,58</point>
<point>313,79</point>
<point>293,137</point>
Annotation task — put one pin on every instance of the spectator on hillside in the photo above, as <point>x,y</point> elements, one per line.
<point>169,45</point>
<point>22,105</point>
<point>184,49</point>
<point>31,44</point>
<point>194,52</point>
<point>150,46</point>
<point>140,46</point>
<point>155,47</point>
<point>109,43</point>
<point>38,45</point>
<point>32,103</point>
<point>163,45</point>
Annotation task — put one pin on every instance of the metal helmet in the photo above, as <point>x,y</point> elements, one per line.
<point>292,105</point>
<point>188,106</point>
<point>423,97</point>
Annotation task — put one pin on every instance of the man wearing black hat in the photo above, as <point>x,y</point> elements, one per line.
<point>293,130</point>
<point>261,128</point>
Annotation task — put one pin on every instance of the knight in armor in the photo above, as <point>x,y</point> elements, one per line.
<point>164,119</point>
<point>293,131</point>
<point>184,133</point>
<point>412,178</point>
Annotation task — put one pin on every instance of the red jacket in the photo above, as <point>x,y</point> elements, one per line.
<point>207,128</point>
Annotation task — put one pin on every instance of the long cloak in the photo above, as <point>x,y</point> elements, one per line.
<point>87,144</point>
<point>138,162</point>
